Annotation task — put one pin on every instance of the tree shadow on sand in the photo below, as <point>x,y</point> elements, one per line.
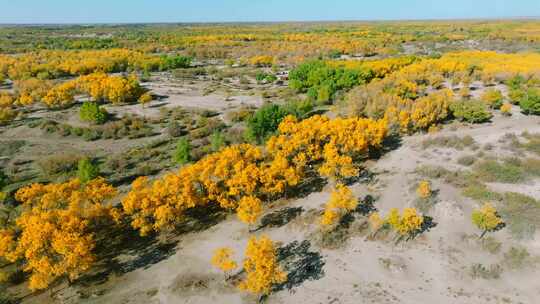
<point>142,251</point>
<point>280,217</point>
<point>300,263</point>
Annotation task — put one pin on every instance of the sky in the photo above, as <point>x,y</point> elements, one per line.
<point>142,11</point>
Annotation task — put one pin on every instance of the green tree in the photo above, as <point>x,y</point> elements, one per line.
<point>217,141</point>
<point>264,122</point>
<point>182,154</point>
<point>92,112</point>
<point>87,170</point>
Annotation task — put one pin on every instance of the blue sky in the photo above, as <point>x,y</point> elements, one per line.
<point>98,11</point>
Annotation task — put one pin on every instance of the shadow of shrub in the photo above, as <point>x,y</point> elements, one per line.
<point>300,263</point>
<point>280,217</point>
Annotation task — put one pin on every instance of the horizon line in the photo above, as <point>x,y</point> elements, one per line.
<point>509,18</point>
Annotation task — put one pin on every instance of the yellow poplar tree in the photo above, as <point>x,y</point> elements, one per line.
<point>222,259</point>
<point>261,266</point>
<point>486,219</point>
<point>341,201</point>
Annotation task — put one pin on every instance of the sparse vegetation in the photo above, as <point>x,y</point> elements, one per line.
<point>243,130</point>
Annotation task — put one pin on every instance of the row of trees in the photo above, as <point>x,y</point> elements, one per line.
<point>60,64</point>
<point>100,87</point>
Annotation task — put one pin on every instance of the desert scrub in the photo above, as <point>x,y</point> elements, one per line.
<point>472,111</point>
<point>92,112</point>
<point>341,202</point>
<point>521,213</point>
<point>63,164</point>
<point>175,129</point>
<point>426,196</point>
<point>452,141</point>
<point>532,144</point>
<point>217,141</point>
<point>479,271</point>
<point>507,171</point>
<point>517,258</point>
<point>466,160</point>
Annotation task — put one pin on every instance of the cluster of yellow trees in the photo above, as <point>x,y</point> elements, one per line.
<point>240,177</point>
<point>412,95</point>
<point>54,235</point>
<point>56,64</point>
<point>100,87</point>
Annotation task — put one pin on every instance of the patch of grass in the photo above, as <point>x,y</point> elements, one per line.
<point>517,258</point>
<point>490,244</point>
<point>495,171</point>
<point>62,164</point>
<point>458,178</point>
<point>466,160</point>
<point>486,272</point>
<point>480,192</point>
<point>533,142</point>
<point>521,214</point>
<point>10,147</point>
<point>453,141</point>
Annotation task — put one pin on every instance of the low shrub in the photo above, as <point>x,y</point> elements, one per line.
<point>182,154</point>
<point>86,170</point>
<point>530,103</point>
<point>93,113</point>
<point>471,111</point>
<point>59,164</point>
<point>493,98</point>
<point>175,129</point>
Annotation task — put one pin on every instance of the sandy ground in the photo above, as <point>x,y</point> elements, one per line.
<point>434,268</point>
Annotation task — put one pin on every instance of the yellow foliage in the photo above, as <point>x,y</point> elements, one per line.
<point>375,221</point>
<point>222,259</point>
<point>6,100</point>
<point>249,209</point>
<point>61,95</point>
<point>56,237</point>
<point>336,142</point>
<point>262,60</point>
<point>261,266</point>
<point>424,189</point>
<point>405,224</point>
<point>7,114</point>
<point>145,98</point>
<point>506,109</point>
<point>341,201</point>
<point>115,89</point>
<point>237,176</point>
<point>486,218</point>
